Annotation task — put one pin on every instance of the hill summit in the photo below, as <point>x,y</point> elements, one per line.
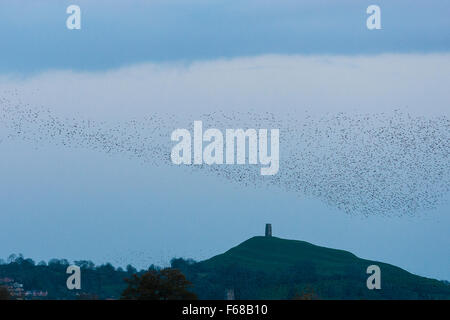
<point>274,268</point>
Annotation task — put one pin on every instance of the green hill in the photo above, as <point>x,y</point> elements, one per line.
<point>274,268</point>
<point>259,268</point>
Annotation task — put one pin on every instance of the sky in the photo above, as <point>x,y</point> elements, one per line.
<point>117,34</point>
<point>134,59</point>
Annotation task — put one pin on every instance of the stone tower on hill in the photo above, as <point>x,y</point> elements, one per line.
<point>268,230</point>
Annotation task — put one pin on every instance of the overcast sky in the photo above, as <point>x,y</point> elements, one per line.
<point>133,59</point>
<point>118,33</point>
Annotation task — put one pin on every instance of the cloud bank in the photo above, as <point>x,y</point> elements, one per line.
<point>317,84</point>
<point>342,139</point>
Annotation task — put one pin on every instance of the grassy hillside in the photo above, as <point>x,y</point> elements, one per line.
<point>259,268</point>
<point>274,268</point>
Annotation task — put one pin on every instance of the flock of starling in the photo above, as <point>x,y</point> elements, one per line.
<point>369,164</point>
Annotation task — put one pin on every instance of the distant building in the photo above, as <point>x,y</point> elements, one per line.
<point>6,280</point>
<point>268,230</point>
<point>229,294</point>
<point>36,293</point>
<point>17,290</point>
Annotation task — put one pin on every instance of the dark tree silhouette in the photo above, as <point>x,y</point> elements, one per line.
<point>4,293</point>
<point>165,284</point>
